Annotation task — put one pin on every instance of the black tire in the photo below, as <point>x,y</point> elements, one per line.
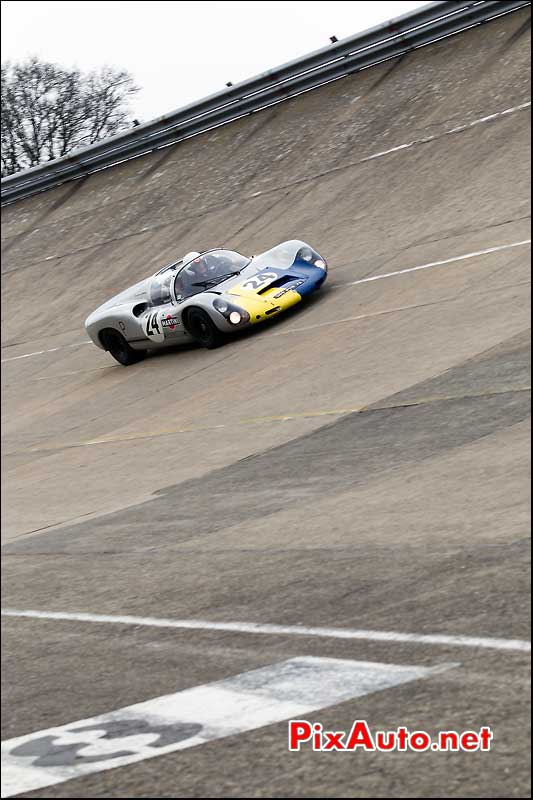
<point>119,348</point>
<point>202,328</point>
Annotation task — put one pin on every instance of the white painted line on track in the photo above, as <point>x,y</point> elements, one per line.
<point>406,271</point>
<point>460,640</point>
<point>43,352</point>
<point>432,264</point>
<point>193,717</point>
<point>458,129</point>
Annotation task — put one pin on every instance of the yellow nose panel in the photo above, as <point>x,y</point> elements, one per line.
<point>289,297</point>
<point>258,306</point>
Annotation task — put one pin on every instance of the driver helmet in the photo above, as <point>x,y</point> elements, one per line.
<point>190,256</point>
<point>192,264</point>
<point>188,260</point>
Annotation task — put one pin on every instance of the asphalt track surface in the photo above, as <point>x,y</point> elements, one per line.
<point>359,465</point>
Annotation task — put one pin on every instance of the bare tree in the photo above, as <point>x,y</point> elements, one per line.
<point>48,110</point>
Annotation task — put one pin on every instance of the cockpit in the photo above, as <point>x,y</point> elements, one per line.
<point>207,270</point>
<point>194,274</point>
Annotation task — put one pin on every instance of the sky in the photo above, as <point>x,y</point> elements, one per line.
<point>179,51</point>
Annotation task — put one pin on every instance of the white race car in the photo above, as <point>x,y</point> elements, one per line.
<point>205,297</point>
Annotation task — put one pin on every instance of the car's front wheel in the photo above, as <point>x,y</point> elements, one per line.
<point>115,343</point>
<point>202,328</point>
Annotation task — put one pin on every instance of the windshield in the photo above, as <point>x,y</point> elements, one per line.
<point>207,270</point>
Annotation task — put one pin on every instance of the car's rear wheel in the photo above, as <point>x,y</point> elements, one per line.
<point>202,328</point>
<point>115,343</point>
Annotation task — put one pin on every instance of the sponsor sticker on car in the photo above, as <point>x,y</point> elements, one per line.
<point>170,324</point>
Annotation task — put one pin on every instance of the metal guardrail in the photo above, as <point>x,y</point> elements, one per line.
<point>417,29</point>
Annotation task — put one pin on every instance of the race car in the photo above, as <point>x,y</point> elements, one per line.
<point>205,297</point>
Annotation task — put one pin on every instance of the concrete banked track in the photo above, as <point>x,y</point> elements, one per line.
<point>360,464</point>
